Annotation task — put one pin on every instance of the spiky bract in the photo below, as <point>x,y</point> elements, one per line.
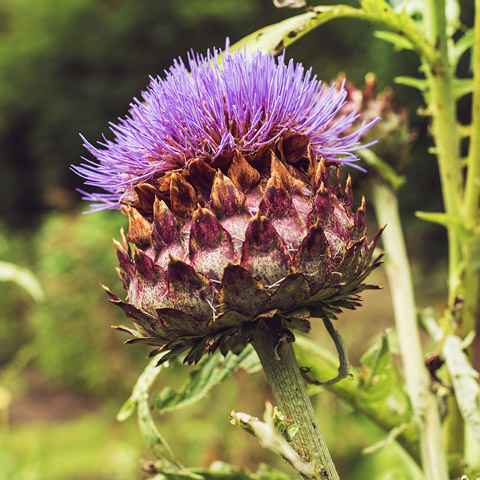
<point>261,246</point>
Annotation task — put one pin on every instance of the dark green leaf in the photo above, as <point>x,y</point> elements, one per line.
<point>212,371</point>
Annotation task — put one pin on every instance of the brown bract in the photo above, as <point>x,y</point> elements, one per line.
<point>219,248</point>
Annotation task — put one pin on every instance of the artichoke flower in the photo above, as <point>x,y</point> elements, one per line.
<point>229,174</point>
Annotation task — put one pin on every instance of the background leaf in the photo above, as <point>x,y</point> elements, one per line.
<point>22,277</point>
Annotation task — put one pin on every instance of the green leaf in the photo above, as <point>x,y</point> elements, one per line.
<point>141,388</point>
<point>387,412</point>
<point>22,277</point>
<point>450,222</point>
<point>275,38</point>
<point>153,437</point>
<point>461,46</point>
<point>399,42</point>
<point>139,401</point>
<point>278,36</point>
<point>379,377</point>
<point>462,87</point>
<point>465,382</point>
<point>418,83</point>
<point>212,371</point>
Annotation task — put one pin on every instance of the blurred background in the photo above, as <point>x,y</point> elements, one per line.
<point>70,67</point>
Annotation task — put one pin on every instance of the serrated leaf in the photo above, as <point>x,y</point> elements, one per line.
<point>398,41</point>
<point>465,382</point>
<point>418,83</point>
<point>448,221</point>
<point>23,278</point>
<point>153,437</point>
<point>139,401</point>
<point>212,371</point>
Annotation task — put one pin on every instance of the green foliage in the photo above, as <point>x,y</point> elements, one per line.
<point>72,337</point>
<point>88,447</point>
<point>213,371</point>
<point>373,389</point>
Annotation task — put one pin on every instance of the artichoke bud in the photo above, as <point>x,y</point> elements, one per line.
<point>262,246</point>
<point>228,173</point>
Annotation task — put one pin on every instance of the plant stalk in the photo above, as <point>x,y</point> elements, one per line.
<point>472,184</point>
<point>285,379</point>
<point>471,201</point>
<point>444,127</point>
<point>441,104</point>
<point>417,378</point>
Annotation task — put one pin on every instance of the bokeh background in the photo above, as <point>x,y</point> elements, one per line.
<point>70,67</point>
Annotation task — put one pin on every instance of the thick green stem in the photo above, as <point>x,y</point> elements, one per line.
<point>472,185</point>
<point>441,103</point>
<point>444,128</point>
<point>418,382</point>
<point>285,379</point>
<point>472,194</point>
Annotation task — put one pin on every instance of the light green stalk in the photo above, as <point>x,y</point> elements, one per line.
<point>441,104</point>
<point>472,194</point>
<point>283,374</point>
<point>417,378</point>
<point>472,186</point>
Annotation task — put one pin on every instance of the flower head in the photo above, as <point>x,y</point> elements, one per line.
<point>218,104</point>
<point>225,174</point>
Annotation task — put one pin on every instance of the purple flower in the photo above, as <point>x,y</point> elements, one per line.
<point>220,103</point>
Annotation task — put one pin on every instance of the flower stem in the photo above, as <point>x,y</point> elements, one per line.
<point>285,379</point>
<point>418,384</point>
